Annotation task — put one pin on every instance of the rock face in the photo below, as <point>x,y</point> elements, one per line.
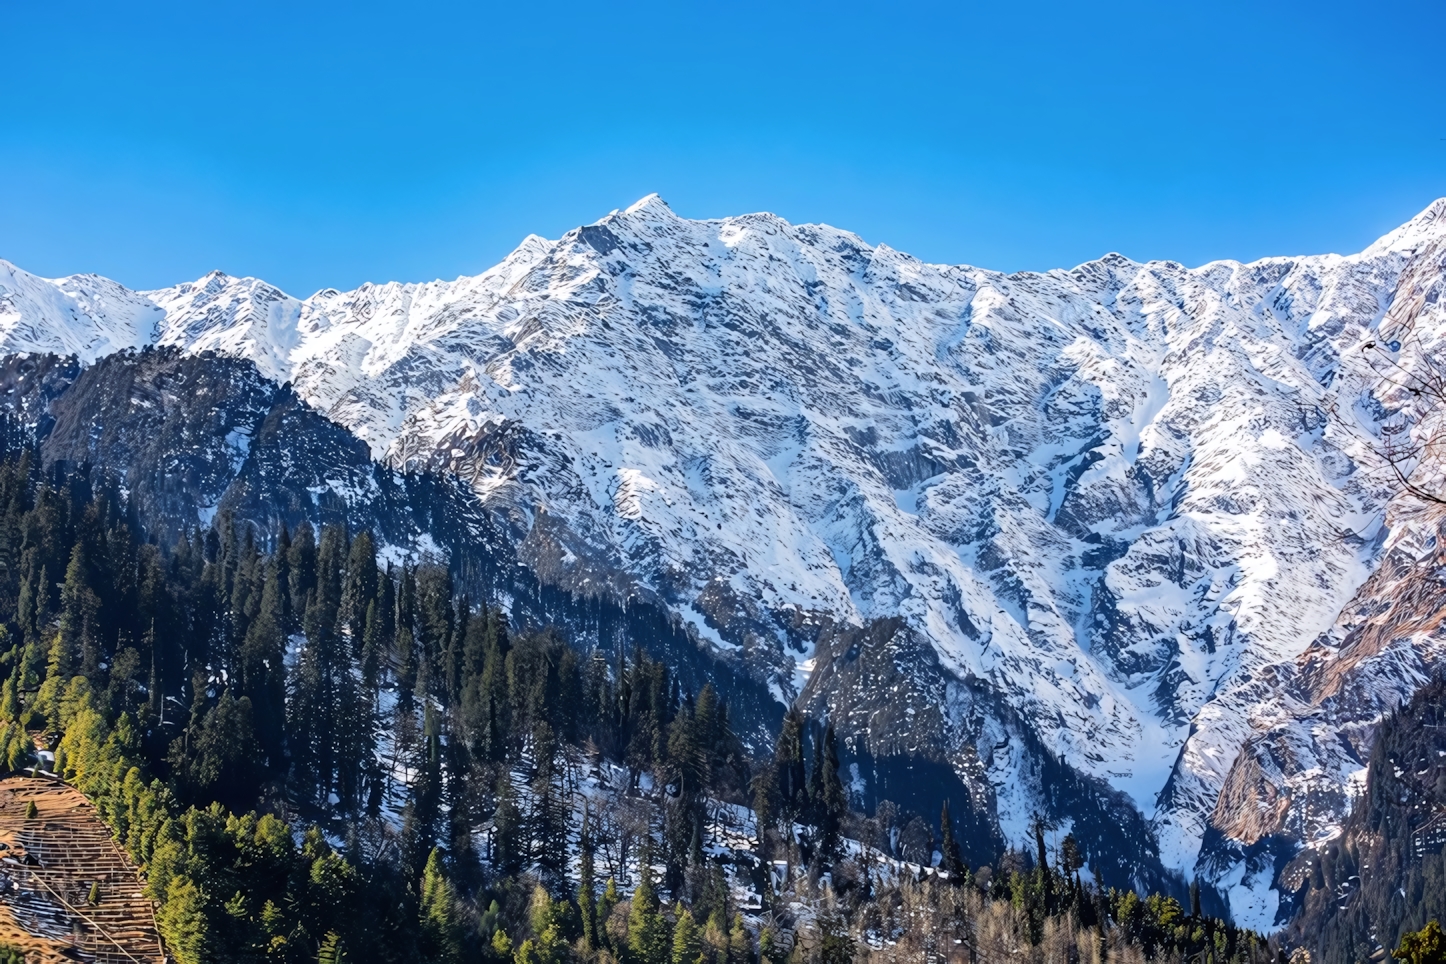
<point>1311,722</point>
<point>1113,516</point>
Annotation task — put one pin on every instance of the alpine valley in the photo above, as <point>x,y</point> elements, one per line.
<point>1111,545</point>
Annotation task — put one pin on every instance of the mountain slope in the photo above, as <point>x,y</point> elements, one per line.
<point>1381,876</point>
<point>1120,500</point>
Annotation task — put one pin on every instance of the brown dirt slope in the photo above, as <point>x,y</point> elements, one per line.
<point>48,866</point>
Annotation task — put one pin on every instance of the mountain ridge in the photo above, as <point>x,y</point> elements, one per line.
<point>1075,486</point>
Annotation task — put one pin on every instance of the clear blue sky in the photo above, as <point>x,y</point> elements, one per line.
<point>318,144</point>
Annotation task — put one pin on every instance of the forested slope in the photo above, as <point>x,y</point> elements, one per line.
<point>316,754</point>
<point>1385,876</point>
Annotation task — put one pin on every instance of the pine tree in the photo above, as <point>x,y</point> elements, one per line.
<point>31,600</point>
<point>331,950</point>
<point>360,588</point>
<point>788,764</point>
<point>952,863</point>
<point>686,752</point>
<point>406,668</point>
<point>9,700</point>
<point>355,730</point>
<point>831,804</point>
<point>765,791</point>
<point>301,568</point>
<point>308,723</point>
<point>647,931</point>
<point>493,740</point>
<point>813,804</point>
<point>441,932</point>
<point>1044,878</point>
<point>372,646</point>
<point>678,824</point>
<point>387,604</point>
<point>587,882</point>
<point>507,841</point>
<point>77,647</point>
<point>458,777</point>
<point>427,790</point>
<point>263,671</point>
<point>687,943</point>
<point>182,922</point>
<point>434,617</point>
<point>740,946</point>
<point>547,825</point>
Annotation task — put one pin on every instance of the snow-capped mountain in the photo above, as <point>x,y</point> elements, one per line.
<point>1132,502</point>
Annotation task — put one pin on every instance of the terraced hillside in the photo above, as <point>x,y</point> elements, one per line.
<point>66,889</point>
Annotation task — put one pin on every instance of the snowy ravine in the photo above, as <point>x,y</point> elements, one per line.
<point>1125,497</point>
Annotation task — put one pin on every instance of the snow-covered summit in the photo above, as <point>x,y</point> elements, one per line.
<point>1424,228</point>
<point>83,315</point>
<point>1118,494</point>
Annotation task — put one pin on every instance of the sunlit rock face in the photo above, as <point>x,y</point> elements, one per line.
<point>1123,509</point>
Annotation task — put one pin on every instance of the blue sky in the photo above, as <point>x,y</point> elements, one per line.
<point>319,144</point>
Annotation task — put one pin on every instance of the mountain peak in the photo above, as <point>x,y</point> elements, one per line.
<point>651,204</point>
<point>1429,225</point>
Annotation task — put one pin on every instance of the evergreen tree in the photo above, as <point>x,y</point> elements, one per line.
<point>647,931</point>
<point>952,863</point>
<point>331,951</point>
<point>359,589</point>
<point>78,648</point>
<point>373,646</point>
<point>587,883</point>
<point>765,791</point>
<point>183,921</point>
<point>301,570</point>
<point>441,931</point>
<point>1425,946</point>
<point>1044,879</point>
<point>507,831</point>
<point>263,667</point>
<point>831,803</point>
<point>789,766</point>
<point>548,823</point>
<point>687,753</point>
<point>740,946</point>
<point>427,789</point>
<point>813,803</point>
<point>687,942</point>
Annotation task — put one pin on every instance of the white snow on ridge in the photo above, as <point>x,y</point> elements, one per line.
<point>1118,492</point>
<point>83,315</point>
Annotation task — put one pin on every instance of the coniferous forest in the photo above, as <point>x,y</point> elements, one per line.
<point>316,750</point>
<point>1383,878</point>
